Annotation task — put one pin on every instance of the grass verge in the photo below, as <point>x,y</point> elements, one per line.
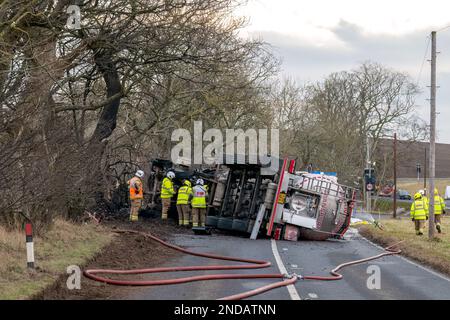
<point>65,244</point>
<point>387,205</point>
<point>433,253</point>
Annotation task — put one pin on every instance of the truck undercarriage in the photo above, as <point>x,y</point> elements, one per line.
<point>256,200</point>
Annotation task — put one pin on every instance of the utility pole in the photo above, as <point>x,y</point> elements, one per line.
<point>425,171</point>
<point>369,166</point>
<point>432,134</point>
<point>395,175</point>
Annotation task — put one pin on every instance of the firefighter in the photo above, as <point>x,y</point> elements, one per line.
<point>199,194</point>
<point>419,213</point>
<point>183,208</point>
<point>136,194</point>
<point>167,192</point>
<point>439,209</point>
<point>423,192</point>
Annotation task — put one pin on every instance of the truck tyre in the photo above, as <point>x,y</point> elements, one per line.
<point>225,223</point>
<point>240,225</point>
<point>211,221</point>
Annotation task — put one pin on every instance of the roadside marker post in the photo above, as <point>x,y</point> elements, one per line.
<point>30,245</point>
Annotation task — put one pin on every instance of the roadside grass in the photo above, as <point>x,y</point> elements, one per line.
<point>65,244</point>
<point>387,205</point>
<point>434,253</point>
<point>412,186</point>
<point>384,207</point>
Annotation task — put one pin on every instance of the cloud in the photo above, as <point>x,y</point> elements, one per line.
<point>405,53</point>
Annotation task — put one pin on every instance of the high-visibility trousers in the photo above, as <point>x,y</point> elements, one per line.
<point>184,211</point>
<point>437,219</point>
<point>420,226</point>
<point>136,204</point>
<point>165,208</point>
<point>198,217</point>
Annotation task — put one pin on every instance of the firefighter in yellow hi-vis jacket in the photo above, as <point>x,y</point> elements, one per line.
<point>199,193</point>
<point>439,209</point>
<point>167,192</point>
<point>419,213</point>
<point>183,207</point>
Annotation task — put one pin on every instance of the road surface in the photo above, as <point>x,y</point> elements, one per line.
<point>400,278</point>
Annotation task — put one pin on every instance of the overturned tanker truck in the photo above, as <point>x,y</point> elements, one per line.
<point>281,203</point>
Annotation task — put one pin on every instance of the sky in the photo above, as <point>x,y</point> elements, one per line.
<point>314,38</point>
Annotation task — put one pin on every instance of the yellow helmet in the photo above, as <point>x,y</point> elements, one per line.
<point>187,183</point>
<point>417,196</point>
<point>436,191</point>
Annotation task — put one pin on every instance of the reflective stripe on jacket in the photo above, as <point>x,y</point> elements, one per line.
<point>167,190</point>
<point>136,189</point>
<point>183,195</point>
<point>199,197</point>
<point>419,210</point>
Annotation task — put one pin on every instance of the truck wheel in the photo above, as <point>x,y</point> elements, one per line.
<point>225,223</point>
<point>211,221</point>
<point>240,225</point>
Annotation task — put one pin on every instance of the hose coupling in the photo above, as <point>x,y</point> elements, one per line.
<point>292,275</point>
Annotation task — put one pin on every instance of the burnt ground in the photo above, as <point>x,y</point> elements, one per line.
<point>126,251</point>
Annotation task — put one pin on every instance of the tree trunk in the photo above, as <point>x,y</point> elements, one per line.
<point>105,125</point>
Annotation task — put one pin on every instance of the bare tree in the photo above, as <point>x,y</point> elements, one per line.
<point>328,122</point>
<point>141,65</point>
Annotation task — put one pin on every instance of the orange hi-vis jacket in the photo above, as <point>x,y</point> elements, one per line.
<point>136,188</point>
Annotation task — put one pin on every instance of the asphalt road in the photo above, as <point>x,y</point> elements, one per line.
<point>400,278</point>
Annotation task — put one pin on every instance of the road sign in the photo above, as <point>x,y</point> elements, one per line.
<point>370,179</point>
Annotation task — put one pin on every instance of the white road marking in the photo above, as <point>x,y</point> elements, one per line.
<point>409,261</point>
<point>291,288</point>
<point>313,295</point>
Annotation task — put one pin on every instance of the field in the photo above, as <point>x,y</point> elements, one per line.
<point>412,186</point>
<point>65,244</point>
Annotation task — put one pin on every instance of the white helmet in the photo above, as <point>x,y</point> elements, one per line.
<point>139,174</point>
<point>170,175</point>
<point>422,192</point>
<point>199,182</point>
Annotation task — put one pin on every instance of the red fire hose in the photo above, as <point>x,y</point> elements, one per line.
<point>338,276</point>
<point>252,264</point>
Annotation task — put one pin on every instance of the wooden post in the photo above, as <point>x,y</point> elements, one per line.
<point>432,134</point>
<point>395,176</point>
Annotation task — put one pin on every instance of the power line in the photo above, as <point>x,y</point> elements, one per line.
<point>423,60</point>
<point>443,28</point>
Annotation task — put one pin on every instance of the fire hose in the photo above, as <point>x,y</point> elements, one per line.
<point>252,264</point>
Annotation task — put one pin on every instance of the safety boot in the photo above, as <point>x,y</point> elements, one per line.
<point>438,227</point>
